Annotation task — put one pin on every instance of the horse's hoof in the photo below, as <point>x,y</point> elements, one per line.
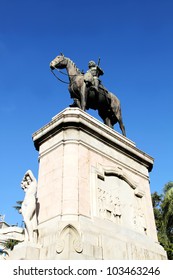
<point>73,105</point>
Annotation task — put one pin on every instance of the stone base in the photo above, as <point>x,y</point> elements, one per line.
<point>86,239</point>
<point>94,198</point>
<point>25,251</point>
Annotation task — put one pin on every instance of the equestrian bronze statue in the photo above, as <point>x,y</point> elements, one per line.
<point>88,93</point>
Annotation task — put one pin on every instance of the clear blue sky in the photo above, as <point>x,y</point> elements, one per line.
<point>133,38</point>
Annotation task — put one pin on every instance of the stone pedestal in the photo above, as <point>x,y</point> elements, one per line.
<point>94,197</point>
<point>25,251</point>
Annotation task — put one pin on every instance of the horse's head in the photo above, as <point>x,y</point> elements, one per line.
<point>59,62</point>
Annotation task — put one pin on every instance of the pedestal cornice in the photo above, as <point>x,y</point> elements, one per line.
<point>76,118</point>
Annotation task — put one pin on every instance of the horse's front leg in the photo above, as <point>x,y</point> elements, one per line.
<point>83,97</point>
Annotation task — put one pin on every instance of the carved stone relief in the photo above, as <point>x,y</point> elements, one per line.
<point>109,206</point>
<point>139,217</point>
<point>120,199</point>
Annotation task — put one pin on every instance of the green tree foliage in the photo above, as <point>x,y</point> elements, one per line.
<point>18,206</point>
<point>10,243</point>
<point>163,212</point>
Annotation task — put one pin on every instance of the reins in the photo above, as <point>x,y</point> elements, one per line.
<point>58,77</point>
<point>63,74</point>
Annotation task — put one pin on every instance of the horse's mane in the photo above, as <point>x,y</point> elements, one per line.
<point>77,69</point>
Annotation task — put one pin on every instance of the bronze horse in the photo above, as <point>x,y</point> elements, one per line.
<point>107,104</point>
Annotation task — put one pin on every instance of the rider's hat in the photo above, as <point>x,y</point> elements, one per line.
<point>91,63</point>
